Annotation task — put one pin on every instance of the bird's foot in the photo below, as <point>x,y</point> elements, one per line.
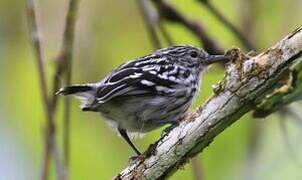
<point>169,128</point>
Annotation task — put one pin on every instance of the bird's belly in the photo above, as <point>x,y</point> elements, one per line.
<point>143,114</point>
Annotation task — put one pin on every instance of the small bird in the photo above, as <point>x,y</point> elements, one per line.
<point>149,92</point>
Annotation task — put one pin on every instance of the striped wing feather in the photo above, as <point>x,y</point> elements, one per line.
<point>138,78</point>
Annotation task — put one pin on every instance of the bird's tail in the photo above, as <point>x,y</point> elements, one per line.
<point>84,92</point>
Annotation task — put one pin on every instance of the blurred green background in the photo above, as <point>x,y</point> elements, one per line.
<point>108,33</point>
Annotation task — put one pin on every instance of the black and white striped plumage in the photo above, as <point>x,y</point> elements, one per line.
<point>148,92</point>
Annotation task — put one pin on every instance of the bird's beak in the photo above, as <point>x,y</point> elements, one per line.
<point>210,59</point>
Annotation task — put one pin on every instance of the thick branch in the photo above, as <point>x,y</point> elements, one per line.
<point>248,80</point>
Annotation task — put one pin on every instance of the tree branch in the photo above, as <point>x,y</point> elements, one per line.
<point>50,101</point>
<point>151,20</point>
<point>241,36</point>
<point>197,169</point>
<point>50,124</point>
<point>66,60</point>
<point>170,13</point>
<point>165,34</point>
<point>36,42</point>
<point>248,80</point>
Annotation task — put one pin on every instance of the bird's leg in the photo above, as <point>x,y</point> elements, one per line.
<point>124,134</point>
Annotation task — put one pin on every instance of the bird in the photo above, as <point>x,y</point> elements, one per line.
<point>149,92</point>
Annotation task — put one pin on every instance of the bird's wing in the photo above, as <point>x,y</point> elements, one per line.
<point>149,79</point>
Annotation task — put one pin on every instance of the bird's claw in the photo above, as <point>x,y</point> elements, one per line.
<point>169,128</point>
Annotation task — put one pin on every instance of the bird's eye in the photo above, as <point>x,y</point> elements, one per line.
<point>193,54</point>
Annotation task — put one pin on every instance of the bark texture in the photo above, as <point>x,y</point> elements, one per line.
<point>260,83</point>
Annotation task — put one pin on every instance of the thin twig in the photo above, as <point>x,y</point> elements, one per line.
<point>64,64</point>
<point>254,135</point>
<point>170,13</point>
<point>36,41</point>
<point>292,153</point>
<point>241,36</point>
<point>293,113</point>
<point>248,12</point>
<point>152,21</point>
<point>151,18</point>
<point>165,34</point>
<point>197,169</point>
<point>64,67</point>
<point>61,170</point>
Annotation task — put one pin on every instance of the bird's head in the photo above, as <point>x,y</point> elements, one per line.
<point>191,57</point>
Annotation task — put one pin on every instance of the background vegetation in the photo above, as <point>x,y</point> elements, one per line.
<point>109,33</point>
